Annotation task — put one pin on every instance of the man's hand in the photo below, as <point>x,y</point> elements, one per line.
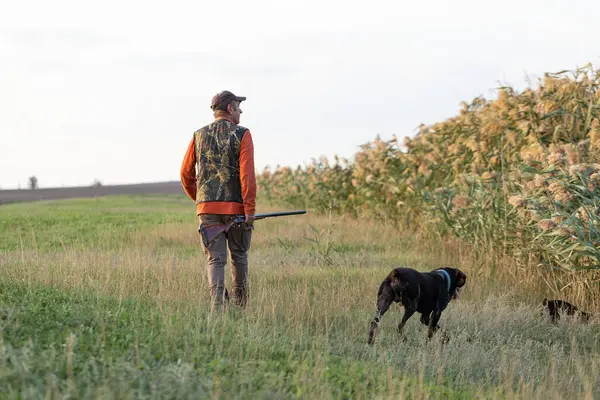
<point>249,220</point>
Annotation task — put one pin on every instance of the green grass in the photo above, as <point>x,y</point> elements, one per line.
<point>102,222</point>
<point>122,311</point>
<point>82,345</point>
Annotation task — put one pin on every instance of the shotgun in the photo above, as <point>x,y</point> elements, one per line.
<point>210,232</point>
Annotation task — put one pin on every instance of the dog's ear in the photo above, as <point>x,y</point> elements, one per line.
<point>461,278</point>
<point>545,302</point>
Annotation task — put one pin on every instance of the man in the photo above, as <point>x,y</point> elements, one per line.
<point>218,173</point>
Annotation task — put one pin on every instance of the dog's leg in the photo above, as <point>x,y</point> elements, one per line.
<point>433,323</point>
<point>584,317</point>
<point>384,300</point>
<point>408,312</point>
<point>425,319</point>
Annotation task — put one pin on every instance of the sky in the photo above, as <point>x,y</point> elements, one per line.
<point>114,90</point>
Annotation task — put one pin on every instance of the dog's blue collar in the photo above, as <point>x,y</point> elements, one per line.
<point>445,275</point>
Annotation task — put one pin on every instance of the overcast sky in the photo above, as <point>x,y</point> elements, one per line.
<point>113,91</point>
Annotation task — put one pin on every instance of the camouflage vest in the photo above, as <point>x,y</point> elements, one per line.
<point>218,162</point>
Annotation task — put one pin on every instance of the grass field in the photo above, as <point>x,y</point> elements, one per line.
<point>108,298</point>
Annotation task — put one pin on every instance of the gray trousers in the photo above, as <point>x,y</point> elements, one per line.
<point>237,240</point>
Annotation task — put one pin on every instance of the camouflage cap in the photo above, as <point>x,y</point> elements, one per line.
<point>221,100</point>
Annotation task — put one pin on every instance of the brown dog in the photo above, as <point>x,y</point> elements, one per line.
<point>425,292</point>
<point>556,307</point>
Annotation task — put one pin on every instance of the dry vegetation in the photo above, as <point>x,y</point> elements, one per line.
<point>516,178</point>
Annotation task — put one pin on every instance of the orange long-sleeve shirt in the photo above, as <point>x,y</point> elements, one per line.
<point>247,181</point>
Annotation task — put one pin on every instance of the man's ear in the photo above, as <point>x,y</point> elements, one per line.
<point>232,107</point>
<point>461,278</point>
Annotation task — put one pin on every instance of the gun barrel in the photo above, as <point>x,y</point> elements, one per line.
<point>279,214</point>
